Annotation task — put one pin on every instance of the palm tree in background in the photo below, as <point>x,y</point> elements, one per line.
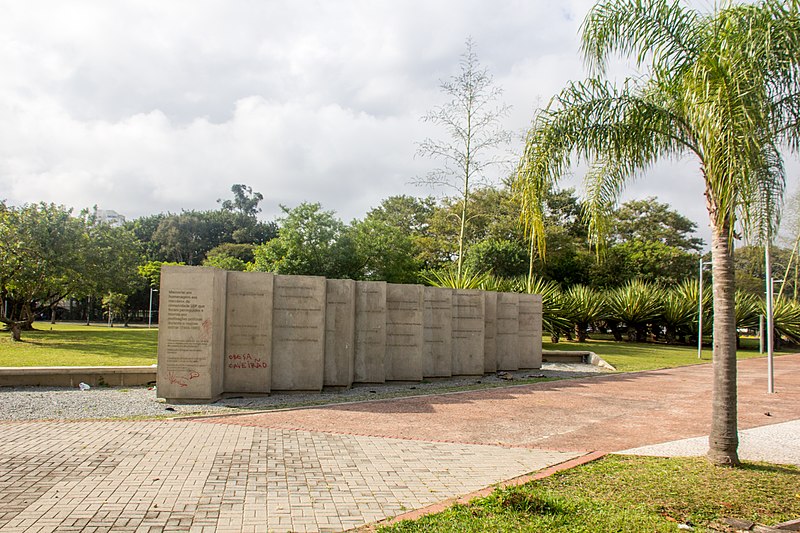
<point>721,86</point>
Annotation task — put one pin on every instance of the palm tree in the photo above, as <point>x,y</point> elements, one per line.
<point>723,87</point>
<point>636,304</point>
<point>585,306</point>
<point>679,310</point>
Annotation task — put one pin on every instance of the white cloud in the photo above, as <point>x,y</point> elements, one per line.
<point>148,106</point>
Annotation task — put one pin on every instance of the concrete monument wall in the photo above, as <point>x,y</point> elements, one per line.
<point>507,333</point>
<point>538,311</point>
<point>340,332</point>
<point>370,332</point>
<point>437,352</point>
<point>404,332</point>
<point>191,333</point>
<point>490,332</point>
<point>468,329</point>
<point>527,350</point>
<point>248,333</point>
<point>298,333</point>
<point>254,332</point>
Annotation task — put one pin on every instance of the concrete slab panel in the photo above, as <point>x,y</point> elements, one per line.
<point>340,315</point>
<point>191,333</point>
<point>529,356</point>
<point>490,332</point>
<point>298,333</point>
<point>468,332</point>
<point>248,333</point>
<point>369,364</point>
<point>437,354</point>
<point>537,328</point>
<point>507,336</point>
<point>404,332</point>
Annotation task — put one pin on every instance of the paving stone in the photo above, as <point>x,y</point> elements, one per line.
<point>191,476</point>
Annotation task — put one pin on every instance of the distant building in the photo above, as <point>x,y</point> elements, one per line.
<point>112,218</point>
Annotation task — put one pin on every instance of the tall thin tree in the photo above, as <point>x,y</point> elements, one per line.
<point>721,86</point>
<point>473,119</point>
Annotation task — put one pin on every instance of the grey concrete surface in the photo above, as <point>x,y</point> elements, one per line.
<point>777,443</point>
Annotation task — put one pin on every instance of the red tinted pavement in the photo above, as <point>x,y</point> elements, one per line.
<point>608,413</point>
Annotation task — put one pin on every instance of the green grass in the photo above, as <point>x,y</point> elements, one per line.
<point>80,345</point>
<point>634,356</point>
<point>620,493</point>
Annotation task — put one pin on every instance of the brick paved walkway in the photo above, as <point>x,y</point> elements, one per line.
<point>337,467</point>
<point>607,413</point>
<point>187,476</point>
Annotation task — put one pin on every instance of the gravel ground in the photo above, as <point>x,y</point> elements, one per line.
<point>59,403</point>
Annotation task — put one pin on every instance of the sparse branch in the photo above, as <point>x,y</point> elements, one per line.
<point>473,121</point>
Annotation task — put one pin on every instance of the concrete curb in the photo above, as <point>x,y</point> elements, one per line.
<point>71,376</point>
<point>584,356</point>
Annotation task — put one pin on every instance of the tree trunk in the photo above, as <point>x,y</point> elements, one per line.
<point>723,441</point>
<point>580,332</point>
<point>16,331</point>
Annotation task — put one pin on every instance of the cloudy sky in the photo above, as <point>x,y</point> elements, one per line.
<point>150,106</point>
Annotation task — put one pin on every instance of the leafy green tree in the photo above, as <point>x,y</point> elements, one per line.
<point>652,261</point>
<point>723,87</point>
<point>310,242</point>
<point>189,236</point>
<point>649,220</point>
<point>143,229</point>
<point>748,262</point>
<point>151,271</point>
<point>111,264</point>
<point>500,257</point>
<point>393,241</point>
<point>241,251</point>
<point>42,251</point>
<point>114,305</point>
<point>47,254</point>
<point>245,201</point>
<point>225,262</point>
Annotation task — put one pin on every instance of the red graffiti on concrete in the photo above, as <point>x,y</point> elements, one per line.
<point>245,360</point>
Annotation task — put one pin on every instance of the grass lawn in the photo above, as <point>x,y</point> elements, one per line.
<point>70,344</point>
<point>632,356</point>
<point>621,493</point>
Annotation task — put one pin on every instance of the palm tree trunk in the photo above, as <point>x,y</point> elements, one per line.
<point>723,440</point>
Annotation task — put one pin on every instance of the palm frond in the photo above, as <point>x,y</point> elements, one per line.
<point>659,30</point>
<point>450,278</point>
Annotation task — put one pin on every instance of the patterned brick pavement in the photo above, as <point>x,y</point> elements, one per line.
<point>185,476</point>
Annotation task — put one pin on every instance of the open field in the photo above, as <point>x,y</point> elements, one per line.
<point>620,493</point>
<point>71,344</point>
<point>633,356</point>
